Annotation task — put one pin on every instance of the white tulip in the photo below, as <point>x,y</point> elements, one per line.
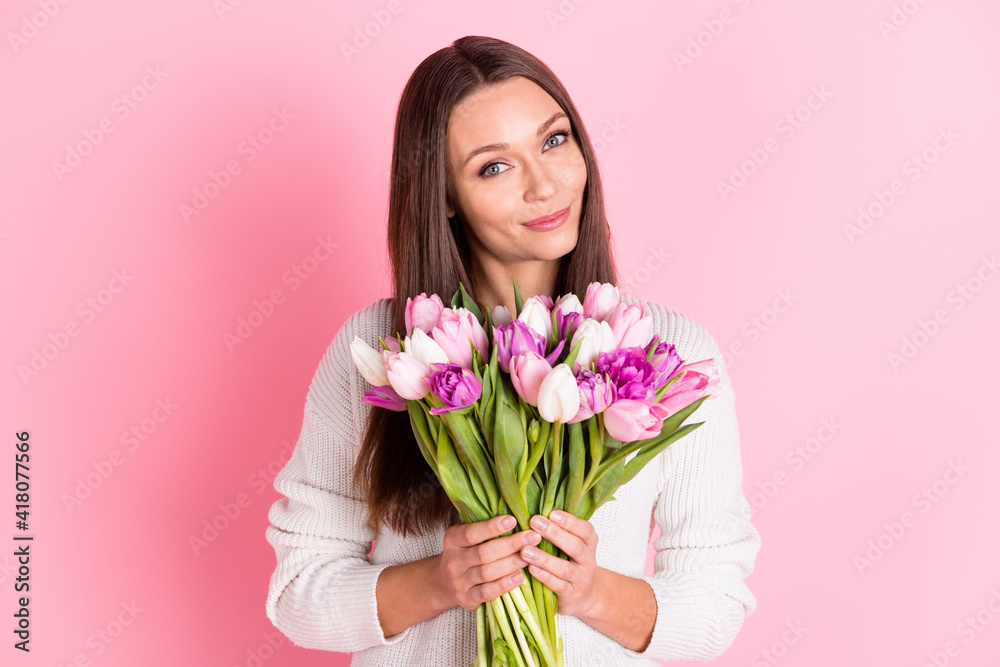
<point>537,317</point>
<point>500,316</point>
<point>597,337</point>
<point>568,303</point>
<point>424,348</point>
<point>369,362</point>
<point>559,395</point>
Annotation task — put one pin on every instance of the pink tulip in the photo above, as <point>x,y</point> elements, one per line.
<point>407,375</point>
<point>600,300</point>
<point>455,329</point>
<point>423,312</point>
<point>689,388</point>
<point>629,420</point>
<point>527,372</point>
<point>631,326</point>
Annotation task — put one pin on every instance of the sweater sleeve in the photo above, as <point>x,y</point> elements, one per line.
<point>707,544</point>
<point>322,592</point>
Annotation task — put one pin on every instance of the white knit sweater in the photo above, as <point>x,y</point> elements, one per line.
<point>322,592</point>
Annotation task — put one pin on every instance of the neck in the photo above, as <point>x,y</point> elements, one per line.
<point>495,286</point>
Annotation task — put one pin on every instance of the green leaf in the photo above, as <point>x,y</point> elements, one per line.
<point>571,357</point>
<point>455,481</point>
<point>637,462</point>
<point>471,452</point>
<point>418,422</point>
<point>577,463</point>
<point>518,301</point>
<point>469,304</point>
<point>509,444</point>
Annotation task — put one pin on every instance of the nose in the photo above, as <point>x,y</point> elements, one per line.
<point>542,181</point>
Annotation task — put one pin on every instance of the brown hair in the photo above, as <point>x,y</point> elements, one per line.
<point>429,252</point>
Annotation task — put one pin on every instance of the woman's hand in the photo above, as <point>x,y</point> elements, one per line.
<point>574,581</point>
<point>474,567</point>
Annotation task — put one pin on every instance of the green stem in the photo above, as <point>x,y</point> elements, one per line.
<point>515,624</point>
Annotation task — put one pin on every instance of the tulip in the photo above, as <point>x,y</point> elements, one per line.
<point>537,316</point>
<point>628,420</point>
<point>691,386</point>
<point>527,372</point>
<point>600,300</point>
<point>407,375</point>
<point>596,393</point>
<point>424,349</point>
<point>630,372</point>
<point>385,397</point>
<point>500,315</point>
<point>423,312</point>
<point>516,338</point>
<point>568,303</point>
<point>665,360</point>
<point>559,395</point>
<point>455,329</point>
<point>597,337</point>
<point>369,362</point>
<point>456,386</point>
<point>631,326</point>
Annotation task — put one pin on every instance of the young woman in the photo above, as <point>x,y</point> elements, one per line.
<point>494,178</point>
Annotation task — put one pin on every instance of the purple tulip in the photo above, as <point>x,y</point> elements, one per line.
<point>516,338</point>
<point>385,397</point>
<point>456,386</point>
<point>596,393</point>
<point>631,374</point>
<point>665,360</point>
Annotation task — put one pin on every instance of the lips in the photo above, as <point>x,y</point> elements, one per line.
<point>552,217</point>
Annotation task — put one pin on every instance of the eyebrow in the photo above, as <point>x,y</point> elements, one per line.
<point>501,146</point>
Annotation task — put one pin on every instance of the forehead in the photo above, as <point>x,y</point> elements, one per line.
<point>509,112</point>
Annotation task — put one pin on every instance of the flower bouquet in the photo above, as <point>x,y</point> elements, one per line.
<point>554,407</point>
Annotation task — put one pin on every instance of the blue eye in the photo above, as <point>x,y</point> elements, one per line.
<point>561,133</point>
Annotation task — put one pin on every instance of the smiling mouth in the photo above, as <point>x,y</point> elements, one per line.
<point>552,219</point>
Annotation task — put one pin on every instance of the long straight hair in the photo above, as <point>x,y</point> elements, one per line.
<point>430,254</point>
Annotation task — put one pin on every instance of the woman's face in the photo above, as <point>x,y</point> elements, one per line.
<point>539,172</point>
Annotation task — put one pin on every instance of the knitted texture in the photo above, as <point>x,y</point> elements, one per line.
<point>322,592</point>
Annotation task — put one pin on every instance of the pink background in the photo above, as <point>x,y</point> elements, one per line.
<point>671,132</point>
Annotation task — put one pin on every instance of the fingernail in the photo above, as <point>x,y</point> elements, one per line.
<point>531,537</point>
<point>516,578</point>
<point>539,523</point>
<point>508,522</point>
<point>530,553</point>
<point>557,517</point>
